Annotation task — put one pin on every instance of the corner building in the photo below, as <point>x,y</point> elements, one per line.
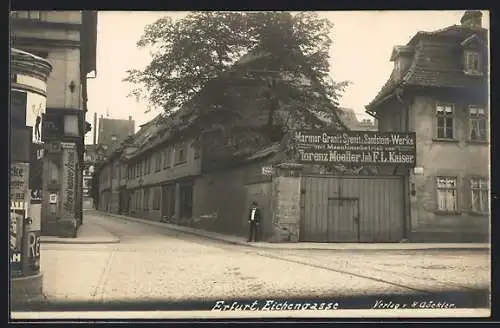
<point>439,89</point>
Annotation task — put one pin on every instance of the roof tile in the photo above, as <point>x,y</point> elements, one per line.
<point>437,61</point>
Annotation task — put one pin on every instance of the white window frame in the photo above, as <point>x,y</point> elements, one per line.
<point>447,194</point>
<point>476,114</point>
<point>479,190</point>
<point>471,56</point>
<point>445,114</point>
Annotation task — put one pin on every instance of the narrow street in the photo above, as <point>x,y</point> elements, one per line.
<point>156,264</point>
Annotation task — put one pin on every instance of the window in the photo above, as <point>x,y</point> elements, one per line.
<point>145,205</point>
<point>444,121</point>
<point>196,151</point>
<point>123,172</point>
<point>480,195</point>
<point>34,15</point>
<point>156,199</point>
<point>169,201</point>
<point>447,194</point>
<point>477,123</point>
<point>180,154</point>
<point>27,14</point>
<point>158,162</point>
<point>147,167</point>
<point>166,158</point>
<point>472,62</point>
<point>186,201</point>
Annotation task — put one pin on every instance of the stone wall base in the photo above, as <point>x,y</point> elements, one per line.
<point>27,290</point>
<point>448,237</point>
<point>67,228</point>
<point>284,234</point>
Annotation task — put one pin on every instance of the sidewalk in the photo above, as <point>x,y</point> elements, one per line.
<point>88,233</point>
<point>306,245</point>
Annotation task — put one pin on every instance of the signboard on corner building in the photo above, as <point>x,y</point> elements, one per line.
<point>69,179</point>
<point>356,147</point>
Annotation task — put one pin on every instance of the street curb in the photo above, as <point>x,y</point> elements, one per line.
<point>199,233</point>
<point>79,242</point>
<point>74,241</point>
<point>175,228</point>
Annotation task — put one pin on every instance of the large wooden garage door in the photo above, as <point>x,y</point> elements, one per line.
<point>352,209</point>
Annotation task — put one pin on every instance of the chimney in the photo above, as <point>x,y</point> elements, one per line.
<point>95,128</point>
<point>472,19</point>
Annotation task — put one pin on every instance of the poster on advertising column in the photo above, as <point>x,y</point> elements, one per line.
<point>68,179</point>
<point>356,147</point>
<point>35,109</point>
<point>18,185</point>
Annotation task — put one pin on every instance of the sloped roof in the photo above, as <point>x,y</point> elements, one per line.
<point>435,63</point>
<point>160,129</point>
<point>348,116</point>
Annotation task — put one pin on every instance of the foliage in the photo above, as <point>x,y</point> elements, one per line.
<point>196,57</point>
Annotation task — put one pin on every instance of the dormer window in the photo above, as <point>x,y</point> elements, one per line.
<point>472,62</point>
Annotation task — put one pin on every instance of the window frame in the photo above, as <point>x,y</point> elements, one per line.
<point>181,149</point>
<point>437,116</point>
<point>158,158</point>
<point>467,69</point>
<point>145,199</point>
<point>166,158</point>
<point>481,189</point>
<point>439,189</point>
<point>471,119</point>
<point>156,199</point>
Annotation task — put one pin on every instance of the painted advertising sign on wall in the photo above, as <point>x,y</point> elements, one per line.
<point>69,179</point>
<point>356,147</point>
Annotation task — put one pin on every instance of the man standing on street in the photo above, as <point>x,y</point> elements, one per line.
<point>254,221</point>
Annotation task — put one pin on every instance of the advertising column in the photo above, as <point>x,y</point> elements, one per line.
<point>35,108</point>
<point>29,75</point>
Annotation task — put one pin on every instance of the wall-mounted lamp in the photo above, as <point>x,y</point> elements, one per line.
<point>72,86</point>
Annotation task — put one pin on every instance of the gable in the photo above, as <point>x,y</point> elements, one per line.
<point>472,42</point>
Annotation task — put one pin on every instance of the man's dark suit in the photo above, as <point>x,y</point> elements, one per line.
<point>253,224</point>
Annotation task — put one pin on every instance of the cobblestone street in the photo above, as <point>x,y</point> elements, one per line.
<point>154,263</point>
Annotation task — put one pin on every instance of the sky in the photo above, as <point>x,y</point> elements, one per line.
<point>362,45</point>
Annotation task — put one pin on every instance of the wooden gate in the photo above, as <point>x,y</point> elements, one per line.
<point>352,209</point>
<point>343,220</point>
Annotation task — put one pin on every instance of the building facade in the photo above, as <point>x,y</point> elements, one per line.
<point>439,90</point>
<point>94,154</point>
<point>112,132</point>
<point>348,116</point>
<point>209,180</point>
<point>67,40</point>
